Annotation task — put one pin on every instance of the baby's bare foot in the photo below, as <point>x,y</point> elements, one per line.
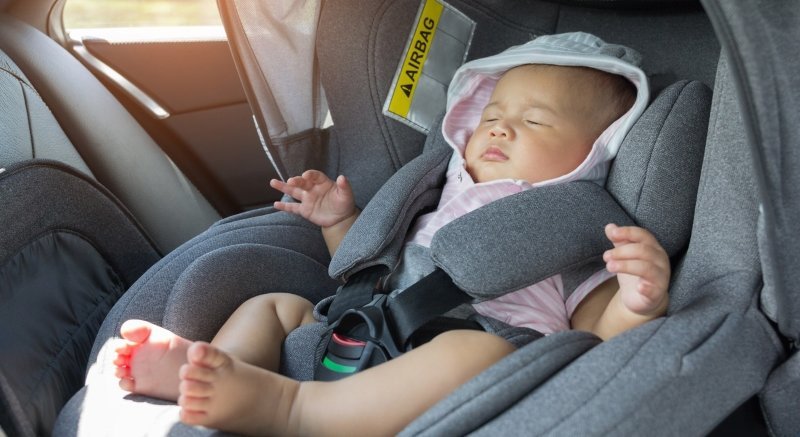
<point>149,358</point>
<point>222,392</point>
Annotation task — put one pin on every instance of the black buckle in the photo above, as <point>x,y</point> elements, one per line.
<point>360,339</point>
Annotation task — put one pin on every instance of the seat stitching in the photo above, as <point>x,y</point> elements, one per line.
<point>20,79</point>
<point>376,100</point>
<point>30,126</point>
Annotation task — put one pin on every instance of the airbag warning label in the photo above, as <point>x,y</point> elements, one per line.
<point>437,46</point>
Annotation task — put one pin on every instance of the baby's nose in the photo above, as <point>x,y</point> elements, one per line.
<point>500,130</point>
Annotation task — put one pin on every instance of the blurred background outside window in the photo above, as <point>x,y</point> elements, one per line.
<point>83,14</point>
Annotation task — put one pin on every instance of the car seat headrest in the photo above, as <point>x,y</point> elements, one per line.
<point>656,173</point>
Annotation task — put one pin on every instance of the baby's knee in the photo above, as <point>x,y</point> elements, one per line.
<point>278,300</point>
<point>279,304</point>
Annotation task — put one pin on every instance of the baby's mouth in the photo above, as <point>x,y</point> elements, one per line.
<point>494,153</point>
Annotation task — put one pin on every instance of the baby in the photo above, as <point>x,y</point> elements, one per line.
<point>540,123</point>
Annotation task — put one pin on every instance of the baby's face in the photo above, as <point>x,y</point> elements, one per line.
<point>526,130</point>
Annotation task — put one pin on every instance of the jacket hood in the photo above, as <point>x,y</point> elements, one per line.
<point>472,85</point>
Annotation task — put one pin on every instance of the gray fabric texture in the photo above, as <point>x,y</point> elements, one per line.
<point>380,230</point>
<point>27,128</point>
<point>229,263</point>
<point>655,35</point>
<point>757,41</point>
<point>68,245</point>
<point>711,353</point>
<point>354,38</point>
<point>760,45</point>
<point>779,398</point>
<point>120,153</point>
<point>414,264</point>
<point>44,196</point>
<point>501,385</point>
<point>548,223</point>
<point>299,355</point>
<point>657,169</point>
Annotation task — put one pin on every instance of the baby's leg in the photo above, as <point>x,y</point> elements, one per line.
<point>149,357</point>
<point>255,332</point>
<point>222,392</point>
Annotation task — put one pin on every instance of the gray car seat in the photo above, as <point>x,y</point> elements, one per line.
<point>194,297</point>
<point>763,66</point>
<point>729,346</point>
<point>713,315</point>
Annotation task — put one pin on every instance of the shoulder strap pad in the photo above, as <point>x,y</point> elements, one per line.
<point>378,234</point>
<point>529,237</point>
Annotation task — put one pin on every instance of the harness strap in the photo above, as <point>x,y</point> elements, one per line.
<point>357,292</point>
<point>426,300</point>
<point>407,311</point>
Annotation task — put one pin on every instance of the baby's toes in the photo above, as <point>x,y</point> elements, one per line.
<point>192,388</point>
<point>122,372</point>
<point>194,403</point>
<point>193,417</point>
<point>122,360</point>
<point>122,347</point>
<point>205,355</point>
<point>198,373</point>
<point>127,384</point>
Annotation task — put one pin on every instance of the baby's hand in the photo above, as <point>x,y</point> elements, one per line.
<point>320,200</point>
<point>642,268</point>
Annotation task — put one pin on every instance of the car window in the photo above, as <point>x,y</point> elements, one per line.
<point>85,14</point>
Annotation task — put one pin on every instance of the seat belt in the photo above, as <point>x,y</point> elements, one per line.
<point>368,327</point>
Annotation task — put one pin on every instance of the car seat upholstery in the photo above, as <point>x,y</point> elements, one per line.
<point>60,94</point>
<point>89,203</point>
<point>69,251</point>
<point>763,66</point>
<point>715,339</point>
<point>234,272</point>
<point>249,243</point>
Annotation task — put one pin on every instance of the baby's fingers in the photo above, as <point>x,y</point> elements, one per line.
<point>292,207</point>
<point>292,190</point>
<point>629,234</point>
<point>639,251</point>
<point>645,270</point>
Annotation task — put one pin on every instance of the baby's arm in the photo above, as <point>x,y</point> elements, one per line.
<point>637,295</point>
<point>321,201</point>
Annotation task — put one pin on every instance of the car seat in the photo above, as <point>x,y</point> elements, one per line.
<point>598,392</point>
<point>89,202</point>
<point>715,337</point>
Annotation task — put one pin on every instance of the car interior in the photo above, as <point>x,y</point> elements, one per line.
<point>134,184</point>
